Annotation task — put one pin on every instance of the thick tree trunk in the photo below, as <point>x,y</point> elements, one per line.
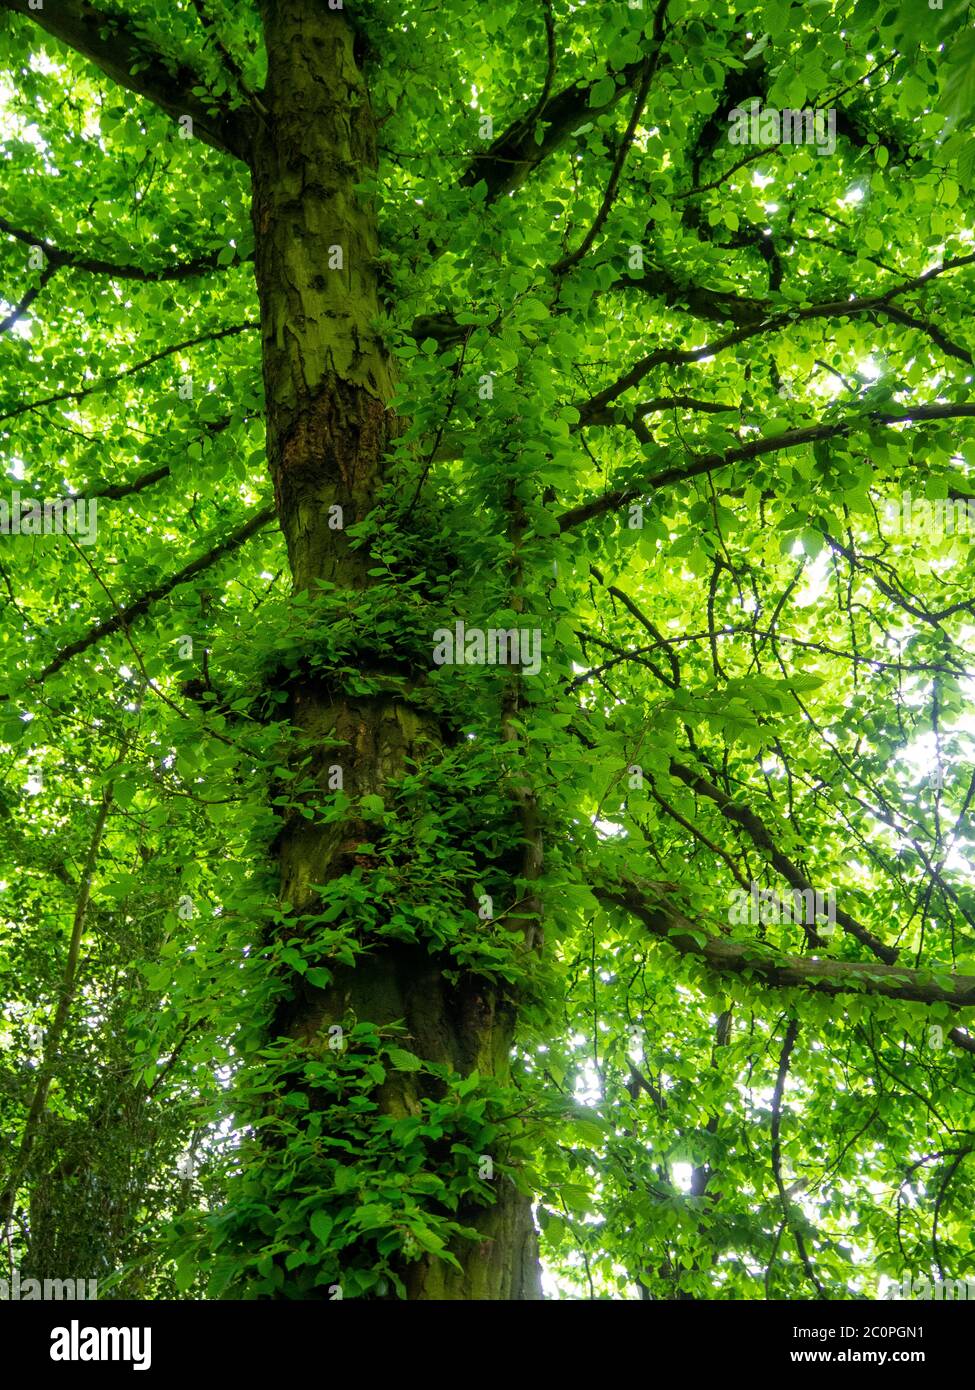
<point>328,385</point>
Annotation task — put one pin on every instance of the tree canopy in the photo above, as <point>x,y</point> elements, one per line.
<point>372,335</point>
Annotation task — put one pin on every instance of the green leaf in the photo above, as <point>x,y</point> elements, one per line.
<point>602,92</point>
<point>404,1061</point>
<point>321,1226</point>
<point>185,1274</point>
<point>428,1239</point>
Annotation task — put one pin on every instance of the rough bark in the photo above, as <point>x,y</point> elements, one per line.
<point>328,386</point>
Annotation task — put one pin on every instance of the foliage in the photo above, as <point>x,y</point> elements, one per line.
<point>656,395</point>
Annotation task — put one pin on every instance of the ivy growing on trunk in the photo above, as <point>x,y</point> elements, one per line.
<point>486,724</point>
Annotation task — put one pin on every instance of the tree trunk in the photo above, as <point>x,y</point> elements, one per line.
<point>328,383</point>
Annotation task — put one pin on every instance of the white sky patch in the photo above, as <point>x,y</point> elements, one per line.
<point>815,581</point>
<point>870,369</point>
<point>682,1174</point>
<point>608,829</point>
<point>588,1089</point>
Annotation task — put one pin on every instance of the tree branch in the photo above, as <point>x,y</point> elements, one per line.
<point>791,1033</point>
<point>717,306</point>
<point>181,270</point>
<point>759,834</point>
<point>104,382</point>
<point>789,439</point>
<point>643,91</point>
<point>756,958</point>
<point>52,1044</point>
<point>227,58</point>
<point>509,160</point>
<point>837,308</point>
<point>7,323</point>
<point>112,43</point>
<point>140,606</point>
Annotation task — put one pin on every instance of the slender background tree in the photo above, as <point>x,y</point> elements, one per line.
<point>492,777</point>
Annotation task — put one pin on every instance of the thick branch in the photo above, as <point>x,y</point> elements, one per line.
<point>17,313</point>
<point>508,161</point>
<point>760,836</point>
<point>719,306</point>
<point>181,270</point>
<point>789,439</point>
<point>783,971</point>
<point>831,309</point>
<point>112,43</point>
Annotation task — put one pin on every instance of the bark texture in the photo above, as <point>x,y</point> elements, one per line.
<point>328,385</point>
